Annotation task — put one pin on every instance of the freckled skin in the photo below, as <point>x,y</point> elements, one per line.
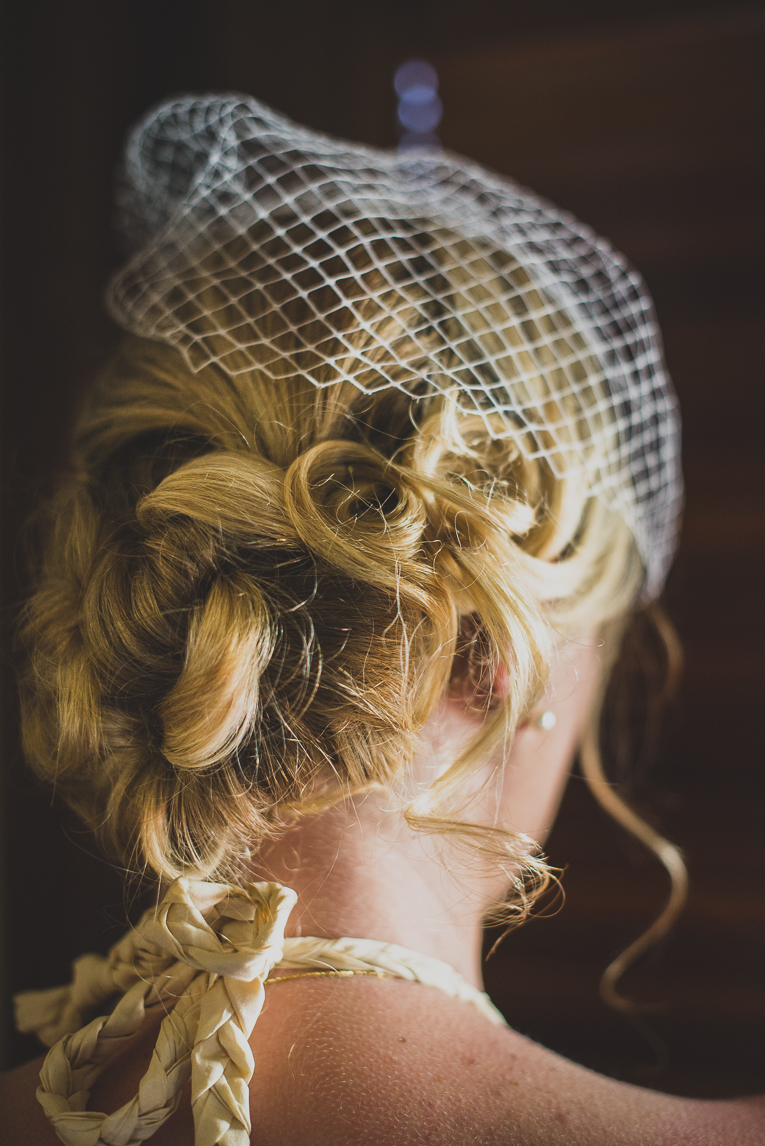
<point>333,1068</point>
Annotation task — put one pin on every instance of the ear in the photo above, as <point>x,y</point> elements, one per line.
<point>478,676</point>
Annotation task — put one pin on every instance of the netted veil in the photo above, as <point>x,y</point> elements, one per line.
<point>242,224</point>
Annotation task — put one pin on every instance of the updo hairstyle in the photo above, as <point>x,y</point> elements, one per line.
<point>253,591</point>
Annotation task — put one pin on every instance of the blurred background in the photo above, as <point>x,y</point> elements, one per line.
<point>643,117</point>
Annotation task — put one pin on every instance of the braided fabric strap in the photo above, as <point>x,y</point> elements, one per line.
<point>371,955</point>
<point>210,947</point>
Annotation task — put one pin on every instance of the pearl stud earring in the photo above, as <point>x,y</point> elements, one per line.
<point>547,720</point>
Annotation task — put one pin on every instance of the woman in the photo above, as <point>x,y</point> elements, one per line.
<point>356,518</point>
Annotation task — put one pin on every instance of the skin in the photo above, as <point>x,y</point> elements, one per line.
<point>364,1061</point>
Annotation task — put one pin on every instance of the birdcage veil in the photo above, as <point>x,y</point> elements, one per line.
<point>257,242</point>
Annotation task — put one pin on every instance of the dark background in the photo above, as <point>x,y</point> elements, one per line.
<point>645,120</point>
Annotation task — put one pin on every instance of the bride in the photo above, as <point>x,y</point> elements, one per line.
<point>355,521</point>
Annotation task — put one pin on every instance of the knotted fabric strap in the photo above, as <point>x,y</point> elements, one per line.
<point>207,948</point>
<point>210,947</point>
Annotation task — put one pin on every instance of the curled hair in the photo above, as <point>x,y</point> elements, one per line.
<point>253,592</point>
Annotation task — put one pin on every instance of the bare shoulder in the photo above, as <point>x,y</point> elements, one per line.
<point>22,1122</point>
<point>382,1063</point>
<point>370,1063</point>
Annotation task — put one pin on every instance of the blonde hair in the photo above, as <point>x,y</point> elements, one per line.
<point>253,591</point>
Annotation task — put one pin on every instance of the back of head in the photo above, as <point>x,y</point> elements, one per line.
<point>254,591</point>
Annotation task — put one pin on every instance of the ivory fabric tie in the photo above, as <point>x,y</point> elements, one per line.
<point>206,951</point>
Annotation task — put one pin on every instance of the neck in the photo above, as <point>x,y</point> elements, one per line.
<point>359,871</point>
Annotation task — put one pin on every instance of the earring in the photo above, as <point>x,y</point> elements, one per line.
<point>547,720</point>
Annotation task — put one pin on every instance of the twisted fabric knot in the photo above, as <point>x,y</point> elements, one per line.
<point>207,945</point>
<point>234,932</point>
<point>208,948</point>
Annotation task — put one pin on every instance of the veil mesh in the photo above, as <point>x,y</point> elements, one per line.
<point>256,242</point>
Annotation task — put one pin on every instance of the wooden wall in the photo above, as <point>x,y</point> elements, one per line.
<point>644,119</point>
